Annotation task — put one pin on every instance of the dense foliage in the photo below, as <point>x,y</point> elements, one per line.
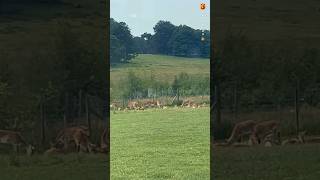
<point>50,69</point>
<point>167,39</point>
<point>249,73</point>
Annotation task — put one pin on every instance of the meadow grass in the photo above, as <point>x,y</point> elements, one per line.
<point>301,162</point>
<point>62,167</point>
<point>160,144</point>
<point>162,67</point>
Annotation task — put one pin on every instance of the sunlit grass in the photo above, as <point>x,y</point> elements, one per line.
<point>160,144</point>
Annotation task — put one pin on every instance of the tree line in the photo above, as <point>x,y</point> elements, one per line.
<point>167,39</point>
<point>251,73</point>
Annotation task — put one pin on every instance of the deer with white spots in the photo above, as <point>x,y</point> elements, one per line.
<point>16,140</point>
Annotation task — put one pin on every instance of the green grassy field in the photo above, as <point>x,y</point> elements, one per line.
<point>294,162</point>
<point>160,144</point>
<point>162,67</point>
<point>63,167</point>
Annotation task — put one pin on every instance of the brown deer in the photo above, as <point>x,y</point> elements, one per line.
<point>132,105</point>
<point>79,135</point>
<point>266,129</point>
<point>159,105</point>
<point>240,130</point>
<point>16,140</point>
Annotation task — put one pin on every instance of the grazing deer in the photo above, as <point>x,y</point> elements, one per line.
<point>79,135</point>
<point>266,130</point>
<point>241,129</point>
<point>14,138</point>
<point>63,131</point>
<point>132,105</point>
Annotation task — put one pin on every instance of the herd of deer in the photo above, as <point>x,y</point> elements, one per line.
<point>266,133</point>
<point>77,135</point>
<point>136,105</point>
<point>142,105</point>
<point>191,104</point>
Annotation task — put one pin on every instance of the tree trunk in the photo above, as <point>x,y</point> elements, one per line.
<point>43,123</point>
<point>235,102</point>
<point>88,114</point>
<point>297,107</point>
<point>65,116</point>
<point>80,103</point>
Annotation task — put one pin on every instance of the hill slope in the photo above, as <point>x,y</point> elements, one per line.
<point>163,67</point>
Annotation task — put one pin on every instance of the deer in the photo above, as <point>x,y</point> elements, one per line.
<point>132,105</point>
<point>241,129</point>
<point>159,105</point>
<point>266,130</point>
<point>104,143</point>
<point>79,135</point>
<point>16,140</point>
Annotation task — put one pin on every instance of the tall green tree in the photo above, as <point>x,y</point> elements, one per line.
<point>163,31</point>
<point>121,42</point>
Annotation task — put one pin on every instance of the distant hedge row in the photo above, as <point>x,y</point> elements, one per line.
<point>133,86</point>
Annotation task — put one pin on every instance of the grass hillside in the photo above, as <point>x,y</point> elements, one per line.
<point>162,67</point>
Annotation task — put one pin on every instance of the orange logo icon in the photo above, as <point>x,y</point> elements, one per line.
<point>202,6</point>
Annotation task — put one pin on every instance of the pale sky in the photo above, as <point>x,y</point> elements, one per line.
<point>142,15</point>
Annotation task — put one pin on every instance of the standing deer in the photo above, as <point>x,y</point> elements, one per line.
<point>266,129</point>
<point>15,139</point>
<point>79,135</point>
<point>241,129</point>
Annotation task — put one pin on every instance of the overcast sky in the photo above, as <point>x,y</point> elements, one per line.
<point>142,15</point>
